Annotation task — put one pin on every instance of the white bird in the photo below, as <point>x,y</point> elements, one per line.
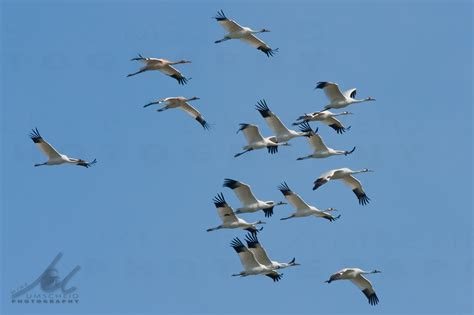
<point>281,132</point>
<point>261,255</point>
<point>327,118</point>
<point>229,219</point>
<point>337,98</point>
<point>248,200</point>
<point>256,141</point>
<point>346,175</point>
<point>320,149</point>
<point>162,65</point>
<point>252,266</point>
<point>357,278</point>
<point>54,157</point>
<point>182,103</point>
<point>302,208</point>
<point>245,34</point>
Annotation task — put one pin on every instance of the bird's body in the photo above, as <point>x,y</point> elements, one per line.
<point>302,208</point>
<point>280,131</point>
<point>320,149</point>
<point>346,175</point>
<point>337,98</point>
<point>162,65</point>
<point>229,219</point>
<point>327,118</point>
<point>181,103</point>
<point>261,255</point>
<point>256,141</point>
<point>245,34</point>
<point>54,157</point>
<point>355,275</point>
<point>252,266</point>
<point>249,202</point>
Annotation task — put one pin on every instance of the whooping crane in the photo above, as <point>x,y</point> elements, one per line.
<point>346,175</point>
<point>318,145</point>
<point>252,266</point>
<point>163,65</point>
<point>256,141</point>
<point>245,34</point>
<point>182,103</point>
<point>54,157</point>
<point>302,208</point>
<point>281,132</point>
<point>229,219</point>
<point>337,98</point>
<point>357,278</point>
<point>327,118</point>
<point>248,200</point>
<point>261,255</point>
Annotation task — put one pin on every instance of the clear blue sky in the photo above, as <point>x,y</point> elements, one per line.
<point>136,222</point>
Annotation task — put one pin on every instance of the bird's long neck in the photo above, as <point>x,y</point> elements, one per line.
<point>177,62</point>
<point>363,272</point>
<point>341,114</point>
<point>359,171</point>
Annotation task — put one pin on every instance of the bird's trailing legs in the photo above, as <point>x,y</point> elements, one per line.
<point>239,154</point>
<point>135,73</point>
<point>291,216</point>
<point>221,40</point>
<point>349,152</point>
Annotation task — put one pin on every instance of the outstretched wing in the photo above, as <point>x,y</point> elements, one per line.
<point>230,25</point>
<point>293,198</point>
<point>174,73</point>
<point>274,275</point>
<point>257,249</point>
<point>246,257</point>
<point>47,149</point>
<point>364,284</point>
<point>350,93</point>
<point>195,114</point>
<point>331,90</point>
<point>241,190</point>
<point>259,44</point>
<point>323,179</point>
<point>251,133</point>
<point>224,210</point>
<point>335,124</point>
<point>274,123</point>
<point>356,187</point>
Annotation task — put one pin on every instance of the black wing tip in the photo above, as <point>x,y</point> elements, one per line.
<point>242,126</point>
<point>251,239</point>
<point>371,296</point>
<point>181,80</point>
<point>35,135</point>
<point>262,107</point>
<point>321,84</point>
<point>268,212</point>
<point>219,200</point>
<point>268,51</point>
<point>230,183</point>
<point>220,16</point>
<point>272,149</point>
<point>305,127</point>
<point>237,244</point>
<point>363,198</point>
<point>203,123</point>
<point>285,189</point>
<point>339,130</point>
<point>276,277</point>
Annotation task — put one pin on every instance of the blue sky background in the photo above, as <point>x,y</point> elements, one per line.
<point>136,222</point>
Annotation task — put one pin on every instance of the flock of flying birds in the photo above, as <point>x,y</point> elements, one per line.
<point>253,256</point>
